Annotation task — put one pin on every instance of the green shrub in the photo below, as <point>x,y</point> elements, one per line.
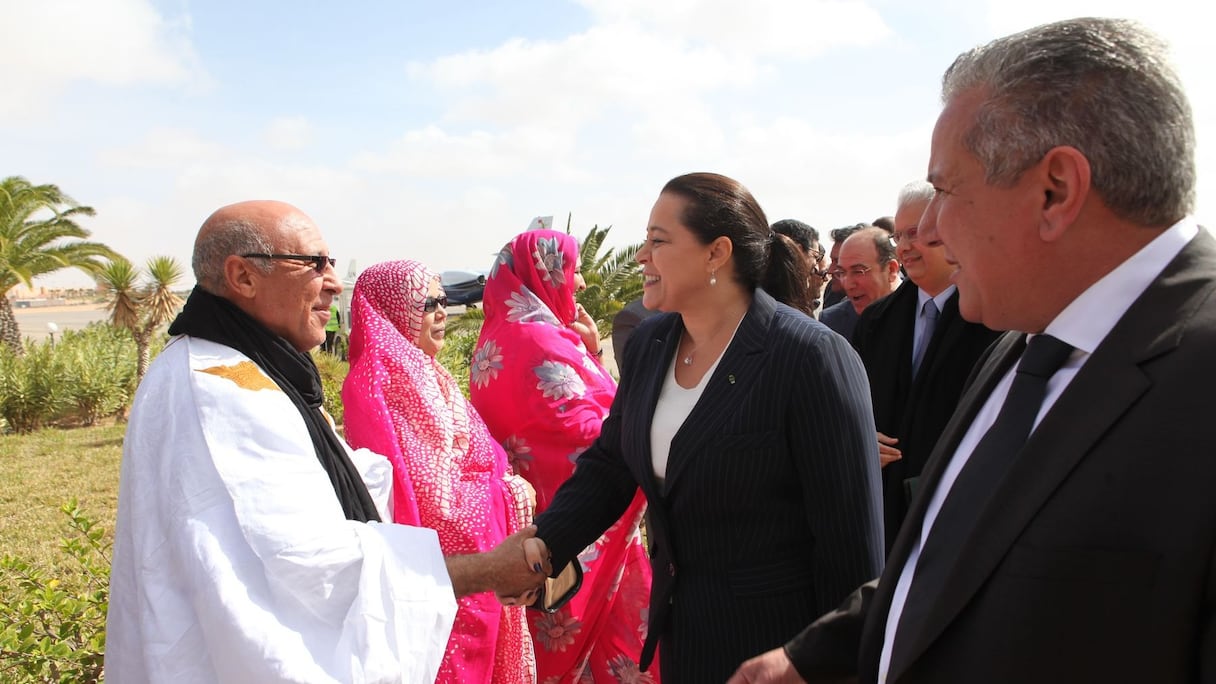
<point>333,373</point>
<point>457,353</point>
<point>32,387</point>
<point>52,624</point>
<point>99,364</point>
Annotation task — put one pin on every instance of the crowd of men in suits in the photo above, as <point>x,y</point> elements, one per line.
<point>1030,321</point>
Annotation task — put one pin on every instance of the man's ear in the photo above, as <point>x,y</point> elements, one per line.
<point>719,252</point>
<point>892,270</point>
<point>1064,178</point>
<point>240,277</point>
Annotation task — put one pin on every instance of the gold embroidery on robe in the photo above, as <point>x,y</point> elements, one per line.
<point>245,374</point>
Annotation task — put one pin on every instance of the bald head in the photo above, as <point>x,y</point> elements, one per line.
<point>290,293</point>
<point>253,227</point>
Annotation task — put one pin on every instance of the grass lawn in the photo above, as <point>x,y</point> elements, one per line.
<point>40,472</point>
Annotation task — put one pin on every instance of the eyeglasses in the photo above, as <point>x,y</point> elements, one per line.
<point>431,303</point>
<point>855,272</point>
<point>906,236</point>
<point>819,273</point>
<point>318,262</point>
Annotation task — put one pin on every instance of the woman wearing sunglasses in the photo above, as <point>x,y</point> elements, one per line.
<point>537,380</point>
<point>449,474</point>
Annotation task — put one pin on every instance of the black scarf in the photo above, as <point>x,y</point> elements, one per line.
<point>216,319</point>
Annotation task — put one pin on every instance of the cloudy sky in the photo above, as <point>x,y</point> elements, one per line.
<point>436,131</point>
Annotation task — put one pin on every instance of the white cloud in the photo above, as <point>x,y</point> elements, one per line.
<point>779,28</point>
<point>48,45</point>
<point>164,148</point>
<point>586,77</point>
<point>288,133</point>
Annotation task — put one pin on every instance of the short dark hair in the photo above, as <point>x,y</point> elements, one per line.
<point>802,234</point>
<point>839,235</point>
<point>887,223</point>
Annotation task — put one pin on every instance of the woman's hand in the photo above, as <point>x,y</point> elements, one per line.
<point>585,326</point>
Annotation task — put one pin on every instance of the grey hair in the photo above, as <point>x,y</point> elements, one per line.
<point>235,236</point>
<point>916,191</point>
<point>1102,86</point>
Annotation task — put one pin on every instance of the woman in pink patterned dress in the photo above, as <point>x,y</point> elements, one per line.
<point>537,380</point>
<point>449,474</point>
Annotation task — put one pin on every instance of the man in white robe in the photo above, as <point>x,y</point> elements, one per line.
<point>234,560</point>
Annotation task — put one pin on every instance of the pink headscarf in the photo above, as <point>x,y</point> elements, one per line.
<point>448,472</point>
<point>545,398</point>
<point>527,344</point>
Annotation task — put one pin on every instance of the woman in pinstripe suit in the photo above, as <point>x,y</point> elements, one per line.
<point>747,425</point>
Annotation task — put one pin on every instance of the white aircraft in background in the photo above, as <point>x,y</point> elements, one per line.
<point>462,287</point>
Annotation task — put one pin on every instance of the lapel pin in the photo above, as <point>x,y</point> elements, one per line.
<point>731,378</point>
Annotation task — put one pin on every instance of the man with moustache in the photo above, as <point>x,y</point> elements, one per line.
<point>248,545</point>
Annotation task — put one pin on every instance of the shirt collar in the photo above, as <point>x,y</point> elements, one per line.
<point>1089,318</point>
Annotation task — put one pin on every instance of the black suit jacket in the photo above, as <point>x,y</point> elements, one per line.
<point>914,410</point>
<point>840,317</point>
<point>769,512</point>
<point>1095,560</point>
<point>623,324</point>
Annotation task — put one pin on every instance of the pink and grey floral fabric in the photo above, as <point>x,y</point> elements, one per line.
<point>544,399</point>
<point>449,474</point>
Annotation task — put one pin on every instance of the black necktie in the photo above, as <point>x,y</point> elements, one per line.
<point>976,482</point>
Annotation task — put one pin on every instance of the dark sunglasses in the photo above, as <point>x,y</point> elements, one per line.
<point>318,262</point>
<point>431,303</point>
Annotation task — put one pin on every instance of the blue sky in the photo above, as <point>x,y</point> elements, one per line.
<point>436,131</point>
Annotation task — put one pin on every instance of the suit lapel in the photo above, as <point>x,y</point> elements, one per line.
<point>663,343</point>
<point>739,368</point>
<point>1109,383</point>
<point>950,327</point>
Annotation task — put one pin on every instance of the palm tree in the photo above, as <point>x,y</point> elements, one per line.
<point>613,278</point>
<point>142,310</point>
<point>35,221</point>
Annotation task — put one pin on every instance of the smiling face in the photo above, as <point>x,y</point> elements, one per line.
<point>293,299</point>
<point>923,261</point>
<point>988,232</point>
<point>675,269</point>
<point>864,279</point>
<point>431,337</point>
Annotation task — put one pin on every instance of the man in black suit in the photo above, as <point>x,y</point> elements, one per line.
<point>623,323</point>
<point>1064,167</point>
<point>867,269</point>
<point>834,292</point>
<point>918,352</point>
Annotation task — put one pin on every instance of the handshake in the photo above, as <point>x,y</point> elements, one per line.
<point>516,570</point>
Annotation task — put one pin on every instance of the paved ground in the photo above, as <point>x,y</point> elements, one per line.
<point>34,321</point>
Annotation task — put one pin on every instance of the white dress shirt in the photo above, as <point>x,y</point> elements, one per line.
<point>1084,323</point>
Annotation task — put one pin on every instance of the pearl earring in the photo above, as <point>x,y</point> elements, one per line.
<point>713,278</point>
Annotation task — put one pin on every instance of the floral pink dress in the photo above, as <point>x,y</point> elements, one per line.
<point>449,473</point>
<point>544,397</point>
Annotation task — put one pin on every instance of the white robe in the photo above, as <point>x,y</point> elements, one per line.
<point>233,561</point>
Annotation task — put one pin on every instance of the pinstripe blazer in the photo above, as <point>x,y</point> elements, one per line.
<point>770,510</point>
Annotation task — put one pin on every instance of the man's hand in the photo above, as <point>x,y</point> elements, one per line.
<point>773,667</point>
<point>887,452</point>
<point>536,556</point>
<point>504,570</point>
